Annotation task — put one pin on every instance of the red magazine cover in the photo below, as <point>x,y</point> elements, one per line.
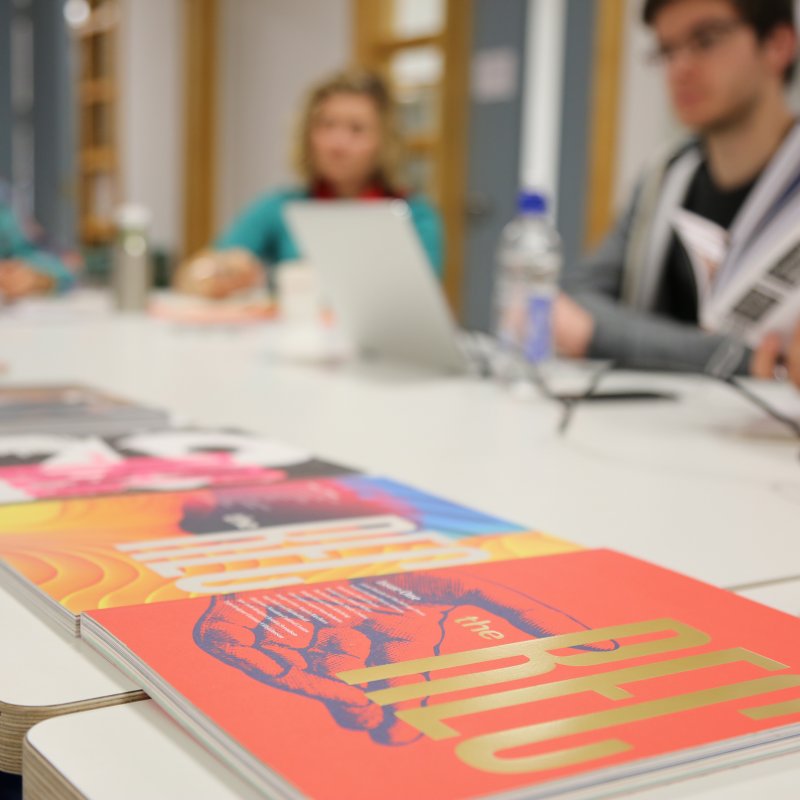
<point>37,466</point>
<point>467,682</point>
<point>73,555</point>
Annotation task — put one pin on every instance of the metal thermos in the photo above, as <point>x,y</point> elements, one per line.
<point>132,267</point>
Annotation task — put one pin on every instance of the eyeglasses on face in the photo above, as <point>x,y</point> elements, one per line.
<point>702,42</point>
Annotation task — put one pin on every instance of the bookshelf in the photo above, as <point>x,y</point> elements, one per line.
<point>97,96</point>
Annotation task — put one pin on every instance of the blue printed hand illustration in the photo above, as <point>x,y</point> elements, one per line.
<point>299,640</point>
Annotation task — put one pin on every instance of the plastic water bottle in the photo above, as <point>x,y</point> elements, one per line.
<point>132,268</point>
<point>529,258</point>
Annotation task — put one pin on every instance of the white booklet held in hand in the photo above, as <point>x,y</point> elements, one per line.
<point>762,295</point>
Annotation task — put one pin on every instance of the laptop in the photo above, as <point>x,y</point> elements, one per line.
<point>376,276</point>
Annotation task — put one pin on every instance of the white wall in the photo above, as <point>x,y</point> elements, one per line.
<point>542,100</point>
<point>270,52</point>
<point>645,121</point>
<point>151,113</point>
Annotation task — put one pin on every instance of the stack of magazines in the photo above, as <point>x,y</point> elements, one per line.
<point>72,409</point>
<point>327,633</point>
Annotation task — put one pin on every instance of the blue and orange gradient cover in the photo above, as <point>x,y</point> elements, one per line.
<point>124,550</point>
<point>469,681</point>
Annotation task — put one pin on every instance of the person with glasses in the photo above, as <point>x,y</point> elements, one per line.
<point>635,301</point>
<point>348,146</point>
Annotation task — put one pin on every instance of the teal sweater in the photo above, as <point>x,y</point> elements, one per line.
<point>14,245</point>
<point>261,228</point>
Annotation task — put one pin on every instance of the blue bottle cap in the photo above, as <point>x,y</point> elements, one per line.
<point>531,202</point>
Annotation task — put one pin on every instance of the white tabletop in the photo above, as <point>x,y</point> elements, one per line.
<point>135,751</point>
<point>82,747</point>
<point>705,485</point>
<point>783,595</point>
<point>45,667</point>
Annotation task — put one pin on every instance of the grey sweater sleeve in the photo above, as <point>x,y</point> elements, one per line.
<point>638,339</point>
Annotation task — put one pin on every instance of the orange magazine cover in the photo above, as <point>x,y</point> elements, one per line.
<point>73,555</point>
<point>549,673</point>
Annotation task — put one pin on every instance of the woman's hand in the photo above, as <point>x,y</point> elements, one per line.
<point>216,275</point>
<point>18,279</point>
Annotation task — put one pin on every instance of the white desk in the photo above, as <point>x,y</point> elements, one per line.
<point>704,485</point>
<point>44,673</point>
<point>783,595</point>
<point>82,746</point>
<point>80,751</point>
<point>697,485</point>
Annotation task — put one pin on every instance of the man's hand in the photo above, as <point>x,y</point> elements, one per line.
<point>18,279</point>
<point>573,327</point>
<point>216,275</point>
<point>771,355</point>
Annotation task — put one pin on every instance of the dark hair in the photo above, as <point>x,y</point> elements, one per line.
<point>763,16</point>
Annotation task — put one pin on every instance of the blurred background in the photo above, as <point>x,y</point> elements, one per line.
<point>188,107</point>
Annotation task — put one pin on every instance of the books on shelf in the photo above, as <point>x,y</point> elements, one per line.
<point>581,673</point>
<point>40,466</point>
<point>63,557</point>
<point>72,409</point>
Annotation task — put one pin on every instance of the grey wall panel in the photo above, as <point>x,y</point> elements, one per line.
<point>575,127</point>
<point>5,88</point>
<point>53,115</point>
<point>493,160</point>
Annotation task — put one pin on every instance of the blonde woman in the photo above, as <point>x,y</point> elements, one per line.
<point>347,147</point>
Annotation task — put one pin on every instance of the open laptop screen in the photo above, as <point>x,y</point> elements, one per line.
<point>375,273</point>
